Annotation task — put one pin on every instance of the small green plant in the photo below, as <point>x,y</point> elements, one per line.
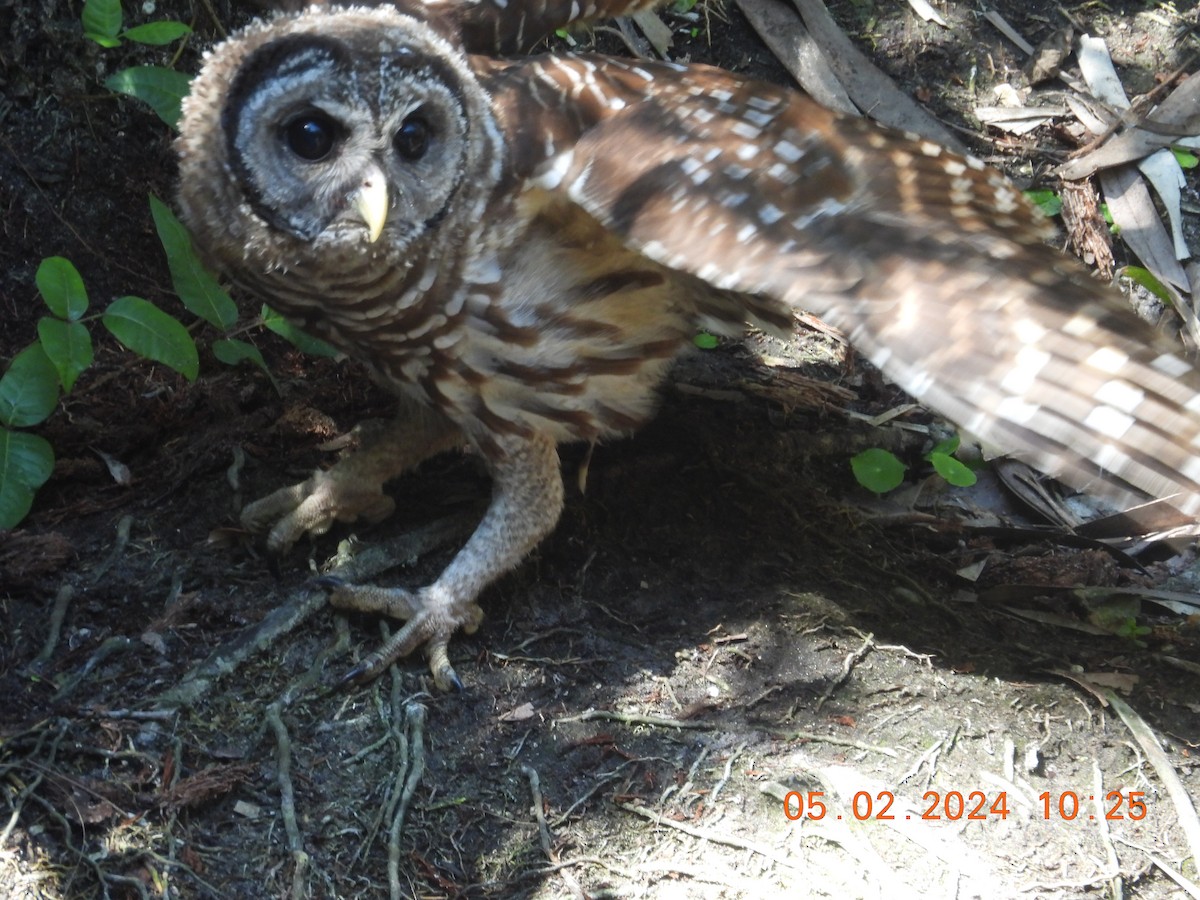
<point>161,87</point>
<point>880,471</point>
<point>954,471</point>
<point>1186,158</point>
<point>705,341</point>
<point>29,390</point>
<point>28,394</point>
<point>102,23</point>
<point>1144,277</point>
<point>1118,615</point>
<point>1113,228</point>
<point>49,367</point>
<point>1048,201</point>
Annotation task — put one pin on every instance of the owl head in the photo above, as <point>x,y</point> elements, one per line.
<point>317,135</point>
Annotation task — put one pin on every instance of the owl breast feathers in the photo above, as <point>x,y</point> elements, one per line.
<point>520,247</point>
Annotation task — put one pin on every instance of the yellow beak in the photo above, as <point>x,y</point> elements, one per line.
<point>371,201</point>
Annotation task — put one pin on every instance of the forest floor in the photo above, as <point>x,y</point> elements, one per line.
<point>723,620</point>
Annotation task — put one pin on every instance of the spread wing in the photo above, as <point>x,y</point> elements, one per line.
<point>933,265</point>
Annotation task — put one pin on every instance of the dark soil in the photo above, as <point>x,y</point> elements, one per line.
<point>723,616</point>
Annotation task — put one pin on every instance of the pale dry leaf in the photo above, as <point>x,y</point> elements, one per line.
<point>1096,118</point>
<point>1009,97</point>
<point>1163,171</point>
<point>118,470</point>
<point>656,32</point>
<point>871,90</point>
<point>1099,73</point>
<point>1047,60</point>
<point>1174,121</point>
<point>1120,681</point>
<point>154,641</point>
<point>927,12</point>
<point>1019,121</point>
<point>786,37</point>
<point>1132,208</point>
<point>522,713</point>
<point>1001,24</point>
<point>1129,202</point>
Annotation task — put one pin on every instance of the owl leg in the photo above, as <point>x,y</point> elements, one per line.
<point>527,496</point>
<point>353,488</point>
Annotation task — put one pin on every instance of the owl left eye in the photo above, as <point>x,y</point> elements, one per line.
<point>412,138</point>
<point>311,136</point>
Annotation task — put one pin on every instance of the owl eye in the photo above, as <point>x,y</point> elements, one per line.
<point>412,138</point>
<point>311,136</point>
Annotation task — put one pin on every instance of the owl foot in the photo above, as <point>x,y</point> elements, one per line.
<point>433,615</point>
<point>353,488</point>
<point>312,507</point>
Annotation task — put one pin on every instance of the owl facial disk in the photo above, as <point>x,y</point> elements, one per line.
<point>371,201</point>
<point>330,143</point>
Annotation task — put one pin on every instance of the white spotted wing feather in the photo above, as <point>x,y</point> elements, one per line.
<point>933,265</point>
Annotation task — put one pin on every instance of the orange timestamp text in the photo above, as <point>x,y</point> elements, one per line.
<point>953,806</point>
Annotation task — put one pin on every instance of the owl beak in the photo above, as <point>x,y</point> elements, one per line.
<point>371,201</point>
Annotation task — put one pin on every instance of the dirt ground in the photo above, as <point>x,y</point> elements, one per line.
<point>722,621</point>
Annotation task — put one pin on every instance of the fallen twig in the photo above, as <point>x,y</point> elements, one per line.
<point>727,840</point>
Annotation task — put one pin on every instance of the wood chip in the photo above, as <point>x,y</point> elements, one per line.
<point>1086,229</point>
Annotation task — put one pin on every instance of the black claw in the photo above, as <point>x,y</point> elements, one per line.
<point>329,583</point>
<point>273,566</point>
<point>457,682</point>
<point>354,676</point>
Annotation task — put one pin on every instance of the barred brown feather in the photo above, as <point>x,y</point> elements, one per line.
<point>552,230</point>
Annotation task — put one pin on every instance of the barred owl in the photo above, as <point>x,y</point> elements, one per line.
<point>518,248</point>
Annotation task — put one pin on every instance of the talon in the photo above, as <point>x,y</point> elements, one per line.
<point>355,676</point>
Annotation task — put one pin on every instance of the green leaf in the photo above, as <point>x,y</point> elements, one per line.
<point>948,447</point>
<point>61,286</point>
<point>69,348</point>
<point>289,332</point>
<point>952,470</point>
<point>1146,279</point>
<point>101,21</point>
<point>148,331</point>
<point>705,341</point>
<point>26,461</point>
<point>107,42</point>
<point>195,285</point>
<point>877,470</point>
<point>1115,612</point>
<point>163,89</point>
<point>1047,201</point>
<point>231,352</point>
<point>157,33</point>
<point>29,389</point>
<point>1185,157</point>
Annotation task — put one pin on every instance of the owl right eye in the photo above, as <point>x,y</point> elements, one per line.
<point>311,136</point>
